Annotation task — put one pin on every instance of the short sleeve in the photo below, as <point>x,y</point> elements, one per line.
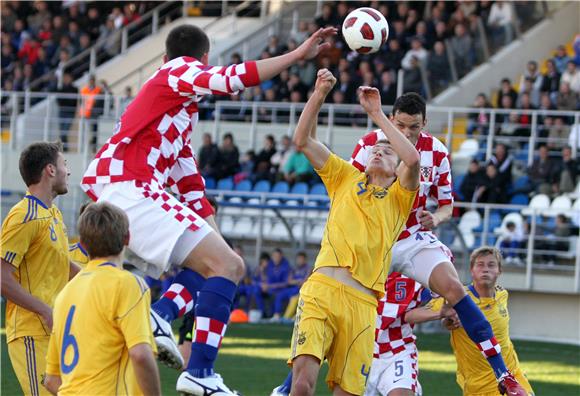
<point>403,197</point>
<point>52,356</point>
<point>334,171</point>
<point>16,239</point>
<point>134,303</point>
<point>435,304</point>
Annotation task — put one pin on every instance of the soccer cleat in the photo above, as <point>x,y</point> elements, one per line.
<point>167,351</point>
<point>188,385</point>
<point>276,392</point>
<point>509,386</point>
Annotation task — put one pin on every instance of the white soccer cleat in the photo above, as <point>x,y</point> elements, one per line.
<point>213,385</point>
<point>167,351</point>
<point>276,392</point>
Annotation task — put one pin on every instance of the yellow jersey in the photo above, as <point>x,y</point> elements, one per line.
<point>363,223</point>
<point>35,242</point>
<point>77,254</point>
<point>474,375</point>
<point>99,315</point>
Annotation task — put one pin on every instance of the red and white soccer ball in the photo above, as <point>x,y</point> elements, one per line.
<point>365,30</point>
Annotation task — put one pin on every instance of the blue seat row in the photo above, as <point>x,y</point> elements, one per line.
<point>264,186</point>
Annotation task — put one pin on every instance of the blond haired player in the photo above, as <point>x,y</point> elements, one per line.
<point>337,308</point>
<point>35,263</point>
<point>101,343</point>
<point>474,375</point>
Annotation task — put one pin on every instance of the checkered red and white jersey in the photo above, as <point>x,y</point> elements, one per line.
<point>435,174</point>
<point>392,334</point>
<point>152,141</point>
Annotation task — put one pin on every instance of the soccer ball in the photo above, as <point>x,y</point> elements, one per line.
<point>365,30</point>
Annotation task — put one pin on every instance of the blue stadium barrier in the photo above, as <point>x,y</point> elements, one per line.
<point>522,185</point>
<point>244,185</point>
<point>520,199</point>
<point>263,186</point>
<point>210,183</point>
<point>281,188</point>
<point>225,184</point>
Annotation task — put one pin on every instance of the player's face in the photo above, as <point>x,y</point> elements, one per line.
<point>382,160</point>
<point>409,125</point>
<point>60,185</point>
<point>485,271</point>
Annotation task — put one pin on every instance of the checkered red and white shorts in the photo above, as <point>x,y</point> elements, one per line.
<point>157,220</point>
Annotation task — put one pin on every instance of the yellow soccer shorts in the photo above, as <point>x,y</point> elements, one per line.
<point>336,322</point>
<point>28,358</point>
<point>519,376</point>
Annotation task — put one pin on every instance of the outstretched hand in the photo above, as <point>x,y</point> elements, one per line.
<point>370,100</point>
<point>324,81</point>
<point>314,44</point>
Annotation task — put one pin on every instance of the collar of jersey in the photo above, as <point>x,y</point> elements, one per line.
<point>476,294</point>
<point>100,263</point>
<point>82,249</point>
<point>32,197</point>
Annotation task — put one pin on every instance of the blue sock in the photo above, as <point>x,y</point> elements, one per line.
<point>180,298</point>
<point>479,330</point>
<point>212,312</point>
<point>287,384</point>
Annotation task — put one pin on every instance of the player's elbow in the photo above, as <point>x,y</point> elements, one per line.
<point>141,354</point>
<point>52,383</point>
<point>413,160</point>
<point>300,142</point>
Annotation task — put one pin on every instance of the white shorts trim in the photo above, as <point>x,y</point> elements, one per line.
<point>408,261</point>
<point>157,220</point>
<point>398,371</point>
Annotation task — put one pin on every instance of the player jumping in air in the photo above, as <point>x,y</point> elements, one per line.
<point>418,253</point>
<point>337,307</point>
<point>151,151</point>
<point>473,374</point>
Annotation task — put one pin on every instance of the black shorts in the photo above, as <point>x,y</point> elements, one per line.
<point>186,328</point>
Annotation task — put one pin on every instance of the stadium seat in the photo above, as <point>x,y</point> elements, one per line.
<point>470,220</point>
<point>538,203</point>
<point>299,188</point>
<point>520,199</point>
<point>263,186</point>
<point>318,189</point>
<point>463,156</point>
<point>522,185</point>
<point>457,180</point>
<point>210,183</point>
<point>226,184</point>
<point>244,186</point>
<point>560,204</point>
<point>281,188</point>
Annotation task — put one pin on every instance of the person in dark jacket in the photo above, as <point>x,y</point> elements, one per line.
<point>67,108</point>
<point>492,190</point>
<point>472,181</point>
<point>229,163</point>
<point>208,157</point>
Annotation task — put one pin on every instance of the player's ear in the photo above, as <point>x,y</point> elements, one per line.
<point>165,58</point>
<point>424,123</point>
<point>205,58</point>
<point>50,170</point>
<point>127,238</point>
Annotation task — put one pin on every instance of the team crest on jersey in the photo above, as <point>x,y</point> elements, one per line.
<point>426,172</point>
<point>380,194</point>
<point>503,311</point>
<point>301,338</point>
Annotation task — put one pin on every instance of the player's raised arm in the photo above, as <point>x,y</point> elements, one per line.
<point>305,133</point>
<point>370,100</point>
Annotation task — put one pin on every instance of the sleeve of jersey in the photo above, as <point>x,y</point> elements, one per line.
<point>436,304</point>
<point>132,317</point>
<point>333,173</point>
<point>52,357</point>
<point>16,239</point>
<point>441,188</point>
<point>187,184</point>
<point>405,198</point>
<point>193,77</point>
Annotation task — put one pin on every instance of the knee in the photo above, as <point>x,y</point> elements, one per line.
<point>455,291</point>
<point>234,268</point>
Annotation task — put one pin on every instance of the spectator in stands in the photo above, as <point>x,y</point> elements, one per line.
<point>281,156</point>
<point>302,32</point>
<point>274,279</point>
<point>479,121</point>
<point>534,74</point>
<point>274,48</point>
<point>566,99</point>
<point>417,51</point>
<point>561,59</point>
<point>503,162</point>
<point>572,76</point>
<point>393,58</point>
<point>41,14</point>
<point>126,100</point>
<point>551,80</point>
<point>296,279</point>
<point>295,84</point>
<point>569,171</point>
<point>388,88</point>
<point>510,241</point>
<point>558,134</point>
<point>543,172</point>
<point>546,106</point>
<point>438,68</point>
<point>298,168</point>
<point>399,33</point>
<point>67,108</point>
<point>263,159</point>
<point>306,70</point>
<point>208,157</point>
<point>506,89</point>
<point>247,165</point>
<point>500,23</point>
<point>110,37</point>
<point>563,231</point>
<point>412,80</point>
<point>576,46</point>
<point>472,180</point>
<point>492,189</point>
<point>347,86</point>
<point>531,91</point>
<point>229,161</point>
<point>441,32</point>
<point>461,45</point>
<point>326,18</point>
